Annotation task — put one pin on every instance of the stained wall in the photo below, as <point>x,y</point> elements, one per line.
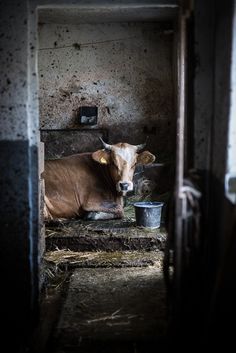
<point>125,69</point>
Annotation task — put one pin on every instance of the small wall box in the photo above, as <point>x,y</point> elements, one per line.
<point>88,115</point>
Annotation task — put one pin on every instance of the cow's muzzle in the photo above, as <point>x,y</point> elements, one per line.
<point>124,187</point>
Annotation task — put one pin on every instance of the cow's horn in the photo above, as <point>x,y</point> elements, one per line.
<point>140,147</point>
<point>105,145</point>
<point>143,145</point>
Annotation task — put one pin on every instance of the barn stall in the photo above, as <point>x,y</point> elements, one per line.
<point>112,79</point>
<point>203,292</point>
<point>108,74</point>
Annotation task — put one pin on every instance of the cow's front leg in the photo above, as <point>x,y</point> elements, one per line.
<point>94,216</point>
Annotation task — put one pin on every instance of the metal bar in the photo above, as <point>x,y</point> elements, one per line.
<point>103,131</point>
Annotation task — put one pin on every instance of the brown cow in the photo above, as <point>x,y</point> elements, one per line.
<point>92,184</point>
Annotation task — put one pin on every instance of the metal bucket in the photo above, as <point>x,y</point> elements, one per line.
<point>148,214</point>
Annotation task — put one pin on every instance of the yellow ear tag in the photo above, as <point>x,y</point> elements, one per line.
<point>103,160</point>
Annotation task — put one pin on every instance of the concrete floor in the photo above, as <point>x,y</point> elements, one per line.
<point>104,309</point>
<point>104,289</point>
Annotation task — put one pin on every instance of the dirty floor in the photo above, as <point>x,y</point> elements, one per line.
<point>104,289</point>
<point>91,307</point>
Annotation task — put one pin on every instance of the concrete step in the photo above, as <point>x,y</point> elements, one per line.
<point>68,260</point>
<point>103,236</point>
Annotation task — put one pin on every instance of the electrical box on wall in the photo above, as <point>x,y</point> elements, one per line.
<point>88,115</point>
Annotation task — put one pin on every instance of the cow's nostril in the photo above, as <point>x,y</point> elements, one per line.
<point>124,186</point>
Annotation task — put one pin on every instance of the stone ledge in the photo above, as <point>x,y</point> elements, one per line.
<point>103,236</point>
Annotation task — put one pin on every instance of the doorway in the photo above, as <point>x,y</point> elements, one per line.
<point>119,62</point>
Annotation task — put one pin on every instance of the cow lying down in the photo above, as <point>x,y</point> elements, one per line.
<point>92,185</point>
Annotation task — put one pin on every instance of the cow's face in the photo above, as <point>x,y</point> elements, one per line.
<point>122,159</point>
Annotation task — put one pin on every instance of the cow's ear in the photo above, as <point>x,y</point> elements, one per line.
<point>145,158</point>
<point>101,156</point>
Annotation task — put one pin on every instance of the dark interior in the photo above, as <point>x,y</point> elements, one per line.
<point>154,72</point>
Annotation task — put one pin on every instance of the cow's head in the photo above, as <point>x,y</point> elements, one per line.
<point>122,159</point>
